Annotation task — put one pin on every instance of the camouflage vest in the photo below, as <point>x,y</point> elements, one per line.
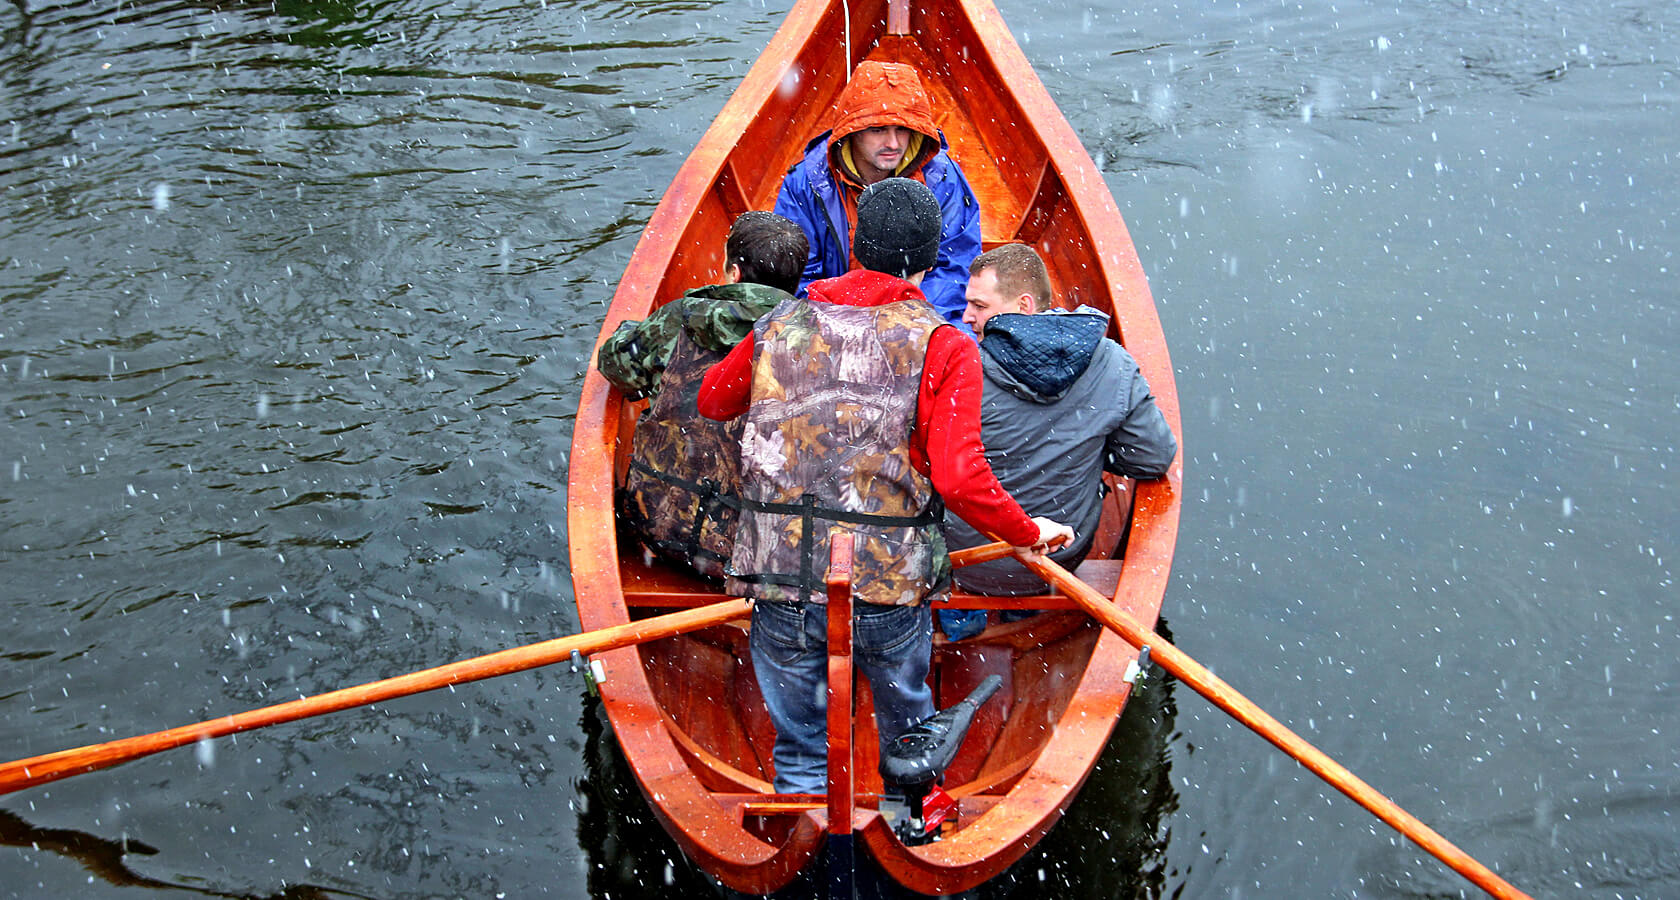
<point>827,446</point>
<point>680,493</point>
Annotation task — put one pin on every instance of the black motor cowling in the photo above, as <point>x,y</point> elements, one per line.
<point>917,759</point>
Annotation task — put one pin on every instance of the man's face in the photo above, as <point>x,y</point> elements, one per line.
<point>879,150</point>
<point>985,301</point>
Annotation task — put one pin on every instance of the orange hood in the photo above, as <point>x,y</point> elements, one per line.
<point>882,93</point>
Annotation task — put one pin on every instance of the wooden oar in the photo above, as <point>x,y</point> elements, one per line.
<point>1225,697</point>
<point>980,554</point>
<point>23,773</point>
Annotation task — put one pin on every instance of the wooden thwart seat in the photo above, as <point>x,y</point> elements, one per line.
<point>661,585</point>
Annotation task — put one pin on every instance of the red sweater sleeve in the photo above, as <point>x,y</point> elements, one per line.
<point>726,390</point>
<point>946,445</point>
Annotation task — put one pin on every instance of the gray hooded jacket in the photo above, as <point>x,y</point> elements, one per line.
<point>1062,403</point>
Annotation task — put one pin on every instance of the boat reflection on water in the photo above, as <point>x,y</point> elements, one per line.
<point>627,851</point>
<point>106,859</point>
<point>1112,842</point>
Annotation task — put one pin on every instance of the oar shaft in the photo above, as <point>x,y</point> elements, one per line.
<point>980,554</point>
<point>38,770</point>
<point>1207,684</point>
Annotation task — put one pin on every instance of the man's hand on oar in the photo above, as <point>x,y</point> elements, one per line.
<point>23,773</point>
<point>1203,682</point>
<point>1051,534</point>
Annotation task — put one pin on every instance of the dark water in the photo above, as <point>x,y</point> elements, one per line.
<point>294,304</point>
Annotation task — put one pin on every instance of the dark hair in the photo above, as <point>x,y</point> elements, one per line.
<point>769,249</point>
<point>1020,270</point>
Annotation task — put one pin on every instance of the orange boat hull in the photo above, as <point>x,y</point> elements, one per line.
<point>686,710</point>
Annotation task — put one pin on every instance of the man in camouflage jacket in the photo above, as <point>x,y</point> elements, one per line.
<point>680,495</point>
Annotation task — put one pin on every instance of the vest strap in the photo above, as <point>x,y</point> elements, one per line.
<point>808,511</point>
<point>706,489</point>
<point>710,499</point>
<point>932,514</point>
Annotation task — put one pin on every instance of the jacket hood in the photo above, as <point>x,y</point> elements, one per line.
<point>883,93</point>
<point>719,316</point>
<point>1038,357</point>
<point>862,287</point>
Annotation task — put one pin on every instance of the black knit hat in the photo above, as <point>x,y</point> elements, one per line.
<point>898,227</point>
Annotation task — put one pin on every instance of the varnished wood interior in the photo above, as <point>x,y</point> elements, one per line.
<point>705,686</point>
<point>687,710</point>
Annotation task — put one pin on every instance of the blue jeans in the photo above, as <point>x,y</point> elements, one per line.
<point>892,645</point>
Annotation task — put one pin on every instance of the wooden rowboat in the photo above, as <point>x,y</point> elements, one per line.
<point>686,710</point>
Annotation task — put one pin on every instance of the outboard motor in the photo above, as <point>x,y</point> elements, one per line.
<point>917,760</point>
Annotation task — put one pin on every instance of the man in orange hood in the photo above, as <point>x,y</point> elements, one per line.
<point>882,126</point>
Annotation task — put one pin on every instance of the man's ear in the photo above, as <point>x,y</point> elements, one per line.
<point>731,274</point>
<point>1024,304</point>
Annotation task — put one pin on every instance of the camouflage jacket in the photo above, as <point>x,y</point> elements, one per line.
<point>827,446</point>
<point>680,495</point>
<point>717,317</point>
